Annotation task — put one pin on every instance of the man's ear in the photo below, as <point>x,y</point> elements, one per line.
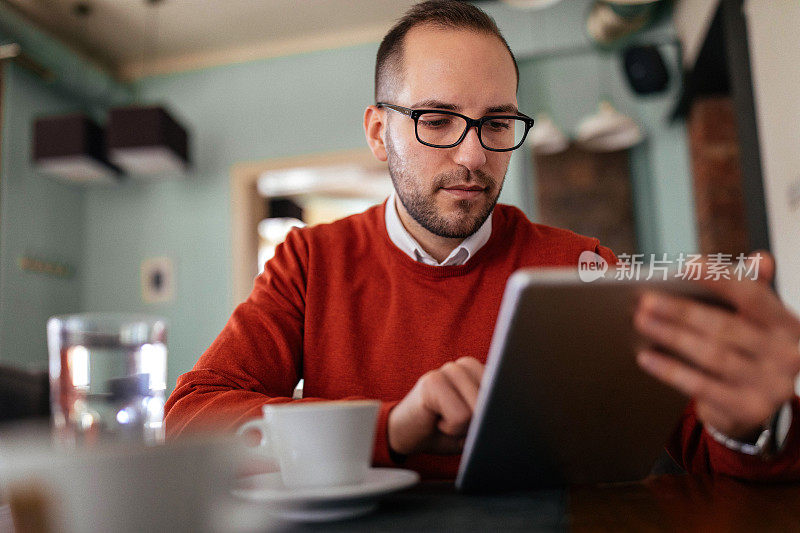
<point>374,126</point>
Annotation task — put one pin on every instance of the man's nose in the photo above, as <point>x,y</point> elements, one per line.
<point>470,153</point>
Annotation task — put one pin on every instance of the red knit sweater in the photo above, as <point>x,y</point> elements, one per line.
<point>342,307</point>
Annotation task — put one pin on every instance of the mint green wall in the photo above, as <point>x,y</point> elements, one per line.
<point>303,104</point>
<point>252,111</point>
<point>41,217</point>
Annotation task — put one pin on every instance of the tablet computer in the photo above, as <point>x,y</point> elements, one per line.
<point>562,400</point>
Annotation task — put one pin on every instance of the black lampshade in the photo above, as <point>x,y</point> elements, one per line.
<point>146,141</point>
<point>71,147</point>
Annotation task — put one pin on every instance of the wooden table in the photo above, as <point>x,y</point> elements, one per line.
<point>664,503</point>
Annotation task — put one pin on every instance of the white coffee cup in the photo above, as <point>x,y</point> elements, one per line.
<point>318,444</point>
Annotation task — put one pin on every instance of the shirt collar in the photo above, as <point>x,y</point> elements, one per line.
<point>408,245</point>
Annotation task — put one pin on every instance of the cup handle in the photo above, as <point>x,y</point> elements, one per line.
<point>262,426</point>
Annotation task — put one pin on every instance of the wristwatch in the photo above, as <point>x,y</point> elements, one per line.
<point>769,441</point>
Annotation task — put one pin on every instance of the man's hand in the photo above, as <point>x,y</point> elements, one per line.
<point>740,366</point>
<point>435,414</point>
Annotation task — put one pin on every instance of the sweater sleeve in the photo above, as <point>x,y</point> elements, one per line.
<point>606,254</point>
<point>257,358</point>
<point>692,447</point>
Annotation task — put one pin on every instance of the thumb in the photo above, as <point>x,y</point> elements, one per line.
<point>762,262</point>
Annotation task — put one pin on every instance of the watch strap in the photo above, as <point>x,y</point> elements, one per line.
<point>769,442</point>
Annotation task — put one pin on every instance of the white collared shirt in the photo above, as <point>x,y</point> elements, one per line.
<point>403,239</point>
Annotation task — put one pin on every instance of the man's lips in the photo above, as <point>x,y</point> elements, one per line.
<point>464,191</point>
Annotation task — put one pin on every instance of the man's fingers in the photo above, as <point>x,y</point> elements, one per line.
<point>442,398</point>
<point>463,380</point>
<point>757,302</point>
<point>436,414</point>
<point>473,366</point>
<point>718,336</point>
<point>753,299</point>
<point>748,408</point>
<point>765,263</point>
<point>679,375</point>
<point>721,358</point>
<point>688,380</point>
<point>455,427</point>
<point>707,321</point>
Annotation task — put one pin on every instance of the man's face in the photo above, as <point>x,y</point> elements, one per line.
<point>450,191</point>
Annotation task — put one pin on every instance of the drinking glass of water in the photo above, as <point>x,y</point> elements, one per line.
<point>107,378</point>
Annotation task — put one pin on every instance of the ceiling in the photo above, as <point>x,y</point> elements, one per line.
<point>134,38</point>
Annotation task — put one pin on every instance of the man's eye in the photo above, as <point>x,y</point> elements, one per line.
<point>435,121</point>
<point>497,124</point>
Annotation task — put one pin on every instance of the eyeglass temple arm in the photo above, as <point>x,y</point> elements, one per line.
<point>527,117</point>
<point>399,109</point>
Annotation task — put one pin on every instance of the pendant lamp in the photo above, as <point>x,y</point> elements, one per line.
<point>70,147</point>
<point>146,140</point>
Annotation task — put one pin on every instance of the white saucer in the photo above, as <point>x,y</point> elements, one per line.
<point>321,504</point>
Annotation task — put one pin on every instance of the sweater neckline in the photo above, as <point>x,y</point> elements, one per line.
<point>498,224</point>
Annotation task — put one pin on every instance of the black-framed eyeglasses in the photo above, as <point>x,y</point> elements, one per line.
<point>441,128</point>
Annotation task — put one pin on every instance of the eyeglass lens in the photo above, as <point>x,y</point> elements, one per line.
<point>443,130</point>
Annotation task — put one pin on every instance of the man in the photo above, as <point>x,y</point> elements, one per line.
<point>399,303</point>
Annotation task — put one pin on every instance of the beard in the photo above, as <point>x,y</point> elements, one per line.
<point>469,215</point>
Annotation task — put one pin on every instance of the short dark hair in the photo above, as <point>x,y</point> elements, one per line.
<point>452,14</point>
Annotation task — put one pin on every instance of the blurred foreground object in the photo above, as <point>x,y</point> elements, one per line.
<point>115,487</point>
<point>107,378</point>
